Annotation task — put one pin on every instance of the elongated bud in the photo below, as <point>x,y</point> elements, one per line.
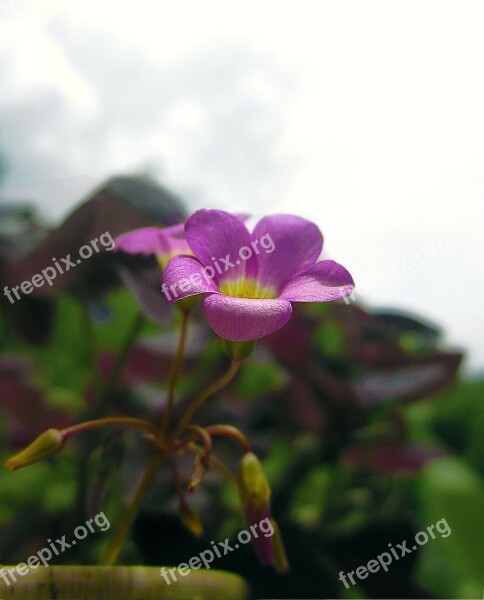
<point>280,559</point>
<point>255,495</point>
<point>254,487</point>
<point>46,444</point>
<point>191,519</point>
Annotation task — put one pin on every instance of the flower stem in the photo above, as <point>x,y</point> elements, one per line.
<point>109,387</point>
<point>217,464</point>
<point>103,399</point>
<point>204,394</point>
<point>128,518</point>
<point>175,371</point>
<point>96,423</point>
<point>229,431</point>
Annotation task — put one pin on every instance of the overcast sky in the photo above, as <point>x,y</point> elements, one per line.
<point>366,117</point>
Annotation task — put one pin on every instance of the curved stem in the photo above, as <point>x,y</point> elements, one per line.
<point>229,431</point>
<point>204,437</point>
<point>96,423</point>
<point>217,464</point>
<point>128,518</point>
<point>206,393</point>
<point>175,371</point>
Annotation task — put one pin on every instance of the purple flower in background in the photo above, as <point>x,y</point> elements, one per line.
<point>144,280</point>
<point>163,243</point>
<point>250,278</point>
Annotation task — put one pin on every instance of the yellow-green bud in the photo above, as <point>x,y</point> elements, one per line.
<point>191,519</point>
<point>46,444</point>
<point>279,553</point>
<point>254,487</point>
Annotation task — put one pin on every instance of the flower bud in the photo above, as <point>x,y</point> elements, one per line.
<point>46,444</point>
<point>255,495</point>
<point>254,487</point>
<point>280,559</point>
<point>191,519</point>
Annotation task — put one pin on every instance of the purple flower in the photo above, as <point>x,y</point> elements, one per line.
<point>144,280</point>
<point>250,278</point>
<point>163,243</point>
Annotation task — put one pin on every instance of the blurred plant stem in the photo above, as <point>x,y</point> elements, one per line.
<point>103,398</point>
<point>109,388</point>
<point>128,517</point>
<point>175,371</point>
<point>97,423</point>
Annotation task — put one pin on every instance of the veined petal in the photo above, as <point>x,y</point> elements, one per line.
<point>216,239</point>
<point>287,245</point>
<point>184,276</point>
<point>145,283</point>
<point>325,281</point>
<point>245,318</point>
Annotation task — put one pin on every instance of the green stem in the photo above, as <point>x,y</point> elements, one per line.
<point>109,387</point>
<point>130,514</point>
<point>204,394</point>
<point>96,423</point>
<point>175,371</point>
<point>217,464</point>
<point>229,431</point>
<point>100,408</point>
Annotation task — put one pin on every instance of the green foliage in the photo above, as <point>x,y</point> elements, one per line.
<point>453,566</point>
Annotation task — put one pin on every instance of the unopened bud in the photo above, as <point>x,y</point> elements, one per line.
<point>254,487</point>
<point>191,519</point>
<point>46,444</point>
<point>279,553</point>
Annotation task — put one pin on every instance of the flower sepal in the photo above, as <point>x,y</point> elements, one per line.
<point>239,349</point>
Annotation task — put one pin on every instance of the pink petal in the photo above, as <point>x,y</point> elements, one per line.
<point>153,240</point>
<point>287,245</point>
<point>325,281</point>
<point>184,276</point>
<point>244,318</point>
<point>216,236</point>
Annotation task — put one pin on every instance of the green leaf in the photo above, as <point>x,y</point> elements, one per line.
<point>452,566</point>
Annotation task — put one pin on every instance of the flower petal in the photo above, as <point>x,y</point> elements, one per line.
<point>184,276</point>
<point>287,245</point>
<point>244,318</point>
<point>153,240</point>
<point>215,237</point>
<point>145,282</point>
<point>325,281</point>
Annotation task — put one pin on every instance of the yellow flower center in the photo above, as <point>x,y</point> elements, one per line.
<point>163,259</point>
<point>246,288</point>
